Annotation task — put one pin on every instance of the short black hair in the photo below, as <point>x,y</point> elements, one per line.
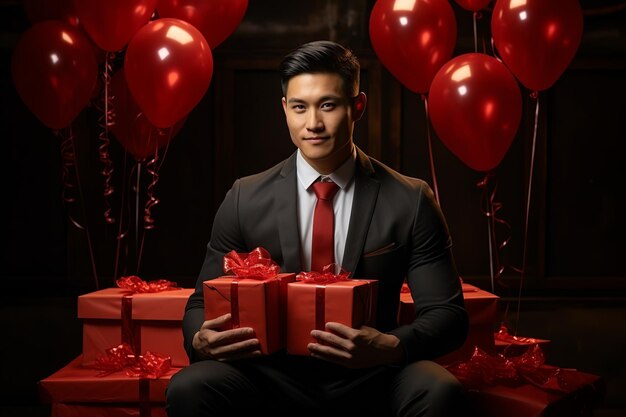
<point>322,57</point>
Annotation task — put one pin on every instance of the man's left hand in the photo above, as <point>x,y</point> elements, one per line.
<point>356,348</point>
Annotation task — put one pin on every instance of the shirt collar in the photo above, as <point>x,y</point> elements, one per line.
<point>342,176</point>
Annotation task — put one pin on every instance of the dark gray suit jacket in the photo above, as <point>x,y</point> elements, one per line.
<point>396,231</point>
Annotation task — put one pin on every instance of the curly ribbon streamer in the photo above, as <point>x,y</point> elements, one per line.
<point>148,221</point>
<point>105,121</point>
<point>327,276</point>
<point>150,365</point>
<point>257,264</point>
<point>490,208</point>
<point>483,369</point>
<point>137,285</point>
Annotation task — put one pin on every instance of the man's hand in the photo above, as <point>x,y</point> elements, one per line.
<point>356,348</point>
<point>227,345</point>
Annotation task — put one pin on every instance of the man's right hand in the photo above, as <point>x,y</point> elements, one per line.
<point>211,343</point>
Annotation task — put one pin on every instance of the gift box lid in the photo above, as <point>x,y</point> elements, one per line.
<point>75,383</point>
<point>107,304</point>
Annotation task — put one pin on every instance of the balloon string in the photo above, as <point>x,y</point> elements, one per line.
<point>120,234</point>
<point>474,15</point>
<point>139,163</point>
<point>68,151</point>
<point>430,151</point>
<point>107,120</point>
<point>530,184</point>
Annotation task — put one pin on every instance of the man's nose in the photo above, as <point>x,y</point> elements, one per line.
<point>314,121</point>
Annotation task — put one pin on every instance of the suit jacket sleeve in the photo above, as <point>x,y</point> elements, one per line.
<point>441,321</point>
<point>225,237</point>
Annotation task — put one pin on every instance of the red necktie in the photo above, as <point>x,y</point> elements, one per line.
<point>323,247</point>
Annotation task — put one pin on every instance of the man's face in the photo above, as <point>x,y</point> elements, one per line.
<point>321,119</point>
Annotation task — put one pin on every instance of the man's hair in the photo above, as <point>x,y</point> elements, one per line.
<point>322,57</point>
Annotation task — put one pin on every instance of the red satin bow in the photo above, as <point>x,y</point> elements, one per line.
<point>327,276</point>
<point>150,365</point>
<point>257,264</point>
<point>137,285</point>
<point>483,369</point>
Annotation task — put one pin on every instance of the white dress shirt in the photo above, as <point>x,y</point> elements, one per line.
<point>342,205</point>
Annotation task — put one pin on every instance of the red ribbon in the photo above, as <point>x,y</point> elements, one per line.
<point>257,264</point>
<point>504,336</point>
<point>150,365</point>
<point>136,285</point>
<point>483,369</point>
<point>327,276</point>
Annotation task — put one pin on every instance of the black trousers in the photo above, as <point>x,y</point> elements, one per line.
<point>286,385</point>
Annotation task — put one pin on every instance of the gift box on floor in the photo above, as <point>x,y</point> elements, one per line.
<point>75,410</point>
<point>528,400</point>
<point>148,321</point>
<point>252,302</point>
<point>310,306</point>
<point>482,308</point>
<point>77,388</point>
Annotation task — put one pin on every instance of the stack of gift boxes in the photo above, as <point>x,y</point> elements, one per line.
<point>282,310</point>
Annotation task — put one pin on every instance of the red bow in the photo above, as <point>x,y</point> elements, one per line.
<point>327,276</point>
<point>138,285</point>
<point>257,264</point>
<point>122,358</point>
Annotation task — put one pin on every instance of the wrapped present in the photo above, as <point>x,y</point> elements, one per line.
<point>98,410</point>
<point>78,384</point>
<point>482,308</point>
<point>525,386</point>
<point>317,298</point>
<point>147,321</point>
<point>254,296</point>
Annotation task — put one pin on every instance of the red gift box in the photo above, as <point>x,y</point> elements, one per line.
<point>149,321</point>
<point>309,306</point>
<point>482,308</point>
<point>528,400</point>
<point>75,383</point>
<point>75,410</point>
<point>252,302</point>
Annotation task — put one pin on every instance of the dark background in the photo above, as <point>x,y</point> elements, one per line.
<point>573,289</point>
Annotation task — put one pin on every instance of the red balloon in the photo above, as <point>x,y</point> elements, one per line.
<point>54,69</point>
<point>475,108</point>
<point>168,66</point>
<point>112,23</point>
<point>131,127</point>
<point>40,10</point>
<point>537,39</point>
<point>216,19</point>
<point>413,39</point>
<point>473,5</point>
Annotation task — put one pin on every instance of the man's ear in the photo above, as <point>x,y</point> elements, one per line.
<point>284,101</point>
<point>359,104</point>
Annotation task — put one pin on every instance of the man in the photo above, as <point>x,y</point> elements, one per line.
<point>386,226</point>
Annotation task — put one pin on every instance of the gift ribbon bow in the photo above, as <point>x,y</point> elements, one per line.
<point>257,264</point>
<point>137,285</point>
<point>150,365</point>
<point>327,276</point>
<point>484,369</point>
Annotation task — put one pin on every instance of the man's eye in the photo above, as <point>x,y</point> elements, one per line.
<point>298,107</point>
<point>328,106</point>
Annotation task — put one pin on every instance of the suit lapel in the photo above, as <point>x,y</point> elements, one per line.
<point>365,194</point>
<point>285,194</point>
